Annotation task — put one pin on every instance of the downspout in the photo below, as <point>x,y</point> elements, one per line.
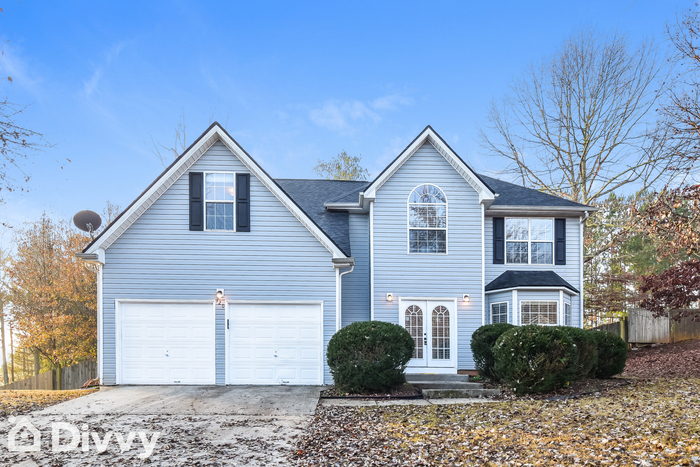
<point>339,317</point>
<point>339,264</point>
<point>582,258</point>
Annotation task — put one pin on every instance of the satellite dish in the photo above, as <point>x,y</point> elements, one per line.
<point>87,221</point>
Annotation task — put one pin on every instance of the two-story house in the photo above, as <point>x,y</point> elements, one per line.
<point>219,274</point>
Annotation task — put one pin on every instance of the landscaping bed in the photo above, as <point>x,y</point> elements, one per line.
<point>23,402</point>
<point>681,359</point>
<point>644,423</point>
<point>580,388</point>
<point>406,391</point>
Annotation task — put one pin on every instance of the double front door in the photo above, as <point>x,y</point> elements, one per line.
<point>432,325</point>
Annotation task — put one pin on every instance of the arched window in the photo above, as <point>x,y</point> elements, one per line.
<point>414,326</point>
<point>427,220</point>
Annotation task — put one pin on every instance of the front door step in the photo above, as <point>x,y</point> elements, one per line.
<point>459,393</point>
<point>446,385</point>
<point>436,377</point>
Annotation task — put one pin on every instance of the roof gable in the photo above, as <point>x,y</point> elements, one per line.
<point>180,166</point>
<point>429,135</point>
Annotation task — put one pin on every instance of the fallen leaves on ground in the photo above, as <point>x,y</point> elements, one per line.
<point>681,359</point>
<point>22,402</point>
<point>647,423</point>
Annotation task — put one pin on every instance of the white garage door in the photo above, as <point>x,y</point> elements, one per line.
<point>275,343</point>
<point>167,343</point>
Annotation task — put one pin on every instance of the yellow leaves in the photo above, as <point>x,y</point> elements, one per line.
<point>655,422</point>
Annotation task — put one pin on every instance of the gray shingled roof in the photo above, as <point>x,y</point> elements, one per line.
<point>510,194</point>
<point>510,279</point>
<point>310,196</point>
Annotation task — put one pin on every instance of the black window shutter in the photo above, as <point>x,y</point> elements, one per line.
<point>560,242</point>
<point>196,201</point>
<point>499,246</point>
<point>243,202</point>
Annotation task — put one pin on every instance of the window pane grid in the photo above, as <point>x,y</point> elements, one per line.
<point>219,187</point>
<point>539,312</point>
<point>499,313</point>
<point>529,241</point>
<point>441,333</point>
<point>427,220</point>
<point>414,326</point>
<point>567,314</point>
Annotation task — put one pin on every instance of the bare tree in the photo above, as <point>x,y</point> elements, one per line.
<point>164,153</point>
<point>577,124</point>
<point>682,112</point>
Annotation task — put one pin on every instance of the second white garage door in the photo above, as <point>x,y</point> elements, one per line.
<point>275,343</point>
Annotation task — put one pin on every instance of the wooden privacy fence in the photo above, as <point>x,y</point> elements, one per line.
<point>72,377</point>
<point>641,327</point>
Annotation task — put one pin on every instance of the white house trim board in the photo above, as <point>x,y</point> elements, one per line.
<point>181,165</point>
<point>581,246</point>
<point>516,318</point>
<point>565,289</point>
<point>483,270</point>
<point>429,135</point>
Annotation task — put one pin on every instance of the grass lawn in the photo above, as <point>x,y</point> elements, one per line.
<point>22,402</point>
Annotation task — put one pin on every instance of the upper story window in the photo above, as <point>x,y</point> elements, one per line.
<point>529,241</point>
<point>427,220</point>
<point>219,196</point>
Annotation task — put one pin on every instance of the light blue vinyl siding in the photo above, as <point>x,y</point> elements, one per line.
<point>499,297</point>
<point>159,257</point>
<point>571,272</point>
<point>429,275</point>
<point>220,344</point>
<point>355,286</point>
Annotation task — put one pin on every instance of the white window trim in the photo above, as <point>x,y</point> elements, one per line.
<point>204,198</point>
<point>529,241</point>
<point>520,310</point>
<point>409,228</point>
<point>499,303</point>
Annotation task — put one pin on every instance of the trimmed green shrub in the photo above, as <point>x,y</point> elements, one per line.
<point>534,359</point>
<point>612,354</point>
<point>587,350</point>
<point>369,356</point>
<point>482,347</point>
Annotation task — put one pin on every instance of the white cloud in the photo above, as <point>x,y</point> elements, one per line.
<point>91,84</point>
<point>12,65</point>
<point>344,116</point>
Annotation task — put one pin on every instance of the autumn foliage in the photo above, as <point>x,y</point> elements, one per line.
<point>53,293</point>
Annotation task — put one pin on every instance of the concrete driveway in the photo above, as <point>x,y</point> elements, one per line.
<point>195,425</point>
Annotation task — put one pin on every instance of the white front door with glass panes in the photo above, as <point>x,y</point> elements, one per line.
<point>432,325</point>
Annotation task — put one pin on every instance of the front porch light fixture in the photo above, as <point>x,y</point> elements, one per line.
<point>390,297</point>
<point>219,296</point>
<point>465,297</point>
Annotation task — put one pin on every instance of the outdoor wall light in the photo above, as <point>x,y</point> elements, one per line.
<point>219,296</point>
<point>390,297</point>
<point>465,297</point>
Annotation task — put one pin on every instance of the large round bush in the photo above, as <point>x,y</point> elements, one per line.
<point>587,350</point>
<point>612,354</point>
<point>482,343</point>
<point>535,358</point>
<point>369,356</point>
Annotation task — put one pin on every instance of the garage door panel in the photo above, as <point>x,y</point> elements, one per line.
<point>170,343</point>
<point>290,331</point>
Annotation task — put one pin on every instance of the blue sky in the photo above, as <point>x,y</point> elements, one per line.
<point>293,82</point>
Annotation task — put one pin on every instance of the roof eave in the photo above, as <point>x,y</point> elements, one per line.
<point>534,287</point>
